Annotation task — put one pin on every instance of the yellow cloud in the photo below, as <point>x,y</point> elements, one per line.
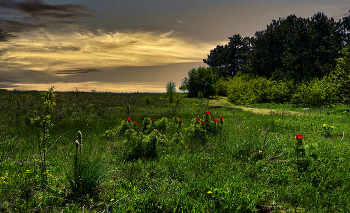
<point>46,50</point>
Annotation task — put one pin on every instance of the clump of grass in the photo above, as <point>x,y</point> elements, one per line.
<point>87,174</point>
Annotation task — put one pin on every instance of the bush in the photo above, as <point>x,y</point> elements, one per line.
<point>246,90</point>
<point>222,86</point>
<point>280,91</point>
<point>139,145</point>
<point>341,77</point>
<point>317,93</point>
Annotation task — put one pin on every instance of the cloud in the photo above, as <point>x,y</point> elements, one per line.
<point>64,48</point>
<point>18,26</point>
<point>4,36</point>
<point>76,71</point>
<point>44,50</point>
<point>41,15</point>
<point>38,8</point>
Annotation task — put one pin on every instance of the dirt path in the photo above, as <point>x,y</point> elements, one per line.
<point>223,101</point>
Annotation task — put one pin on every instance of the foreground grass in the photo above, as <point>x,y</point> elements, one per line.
<point>251,164</point>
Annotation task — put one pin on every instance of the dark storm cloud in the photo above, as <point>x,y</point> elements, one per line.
<point>38,8</point>
<point>76,71</point>
<point>18,26</point>
<point>40,14</point>
<point>28,76</point>
<point>4,36</point>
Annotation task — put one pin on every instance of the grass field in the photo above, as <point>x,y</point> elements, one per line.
<point>139,153</point>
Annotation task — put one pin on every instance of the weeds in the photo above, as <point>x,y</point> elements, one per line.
<point>211,161</point>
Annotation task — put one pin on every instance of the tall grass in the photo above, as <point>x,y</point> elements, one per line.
<point>248,163</point>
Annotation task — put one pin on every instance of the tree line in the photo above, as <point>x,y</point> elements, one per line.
<point>291,49</point>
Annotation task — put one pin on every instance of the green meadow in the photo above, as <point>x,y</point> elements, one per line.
<point>136,152</point>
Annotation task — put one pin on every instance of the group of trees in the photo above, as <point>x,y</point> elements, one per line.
<point>291,49</point>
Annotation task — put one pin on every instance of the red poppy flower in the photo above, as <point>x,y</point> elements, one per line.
<point>129,119</point>
<point>197,119</point>
<point>135,122</point>
<point>222,119</point>
<point>203,122</point>
<point>216,120</point>
<point>180,122</point>
<point>152,120</point>
<point>207,113</point>
<point>298,137</point>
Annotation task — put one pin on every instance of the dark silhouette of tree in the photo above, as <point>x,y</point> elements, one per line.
<point>201,79</point>
<point>291,48</point>
<point>228,60</point>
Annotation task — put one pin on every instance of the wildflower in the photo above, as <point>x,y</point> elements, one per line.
<point>209,192</point>
<point>77,144</point>
<point>129,119</point>
<point>80,137</point>
<point>112,200</point>
<point>332,127</point>
<point>203,122</point>
<point>222,119</point>
<point>198,119</point>
<point>135,122</point>
<point>207,113</point>
<point>180,122</point>
<point>260,152</point>
<point>298,137</point>
<point>152,121</point>
<point>216,120</point>
<point>324,125</point>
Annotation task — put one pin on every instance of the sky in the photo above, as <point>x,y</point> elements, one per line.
<point>127,45</point>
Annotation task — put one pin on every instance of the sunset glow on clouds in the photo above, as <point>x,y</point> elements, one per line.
<point>52,51</point>
<point>126,46</point>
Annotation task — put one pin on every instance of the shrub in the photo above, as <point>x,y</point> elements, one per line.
<point>280,91</point>
<point>197,134</point>
<point>341,76</point>
<point>139,145</point>
<point>245,90</point>
<point>318,93</point>
<point>221,87</point>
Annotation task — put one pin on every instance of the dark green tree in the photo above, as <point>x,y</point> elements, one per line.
<point>217,60</point>
<point>171,91</point>
<point>199,80</point>
<point>228,60</point>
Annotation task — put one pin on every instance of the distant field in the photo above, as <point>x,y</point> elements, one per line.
<point>139,153</point>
